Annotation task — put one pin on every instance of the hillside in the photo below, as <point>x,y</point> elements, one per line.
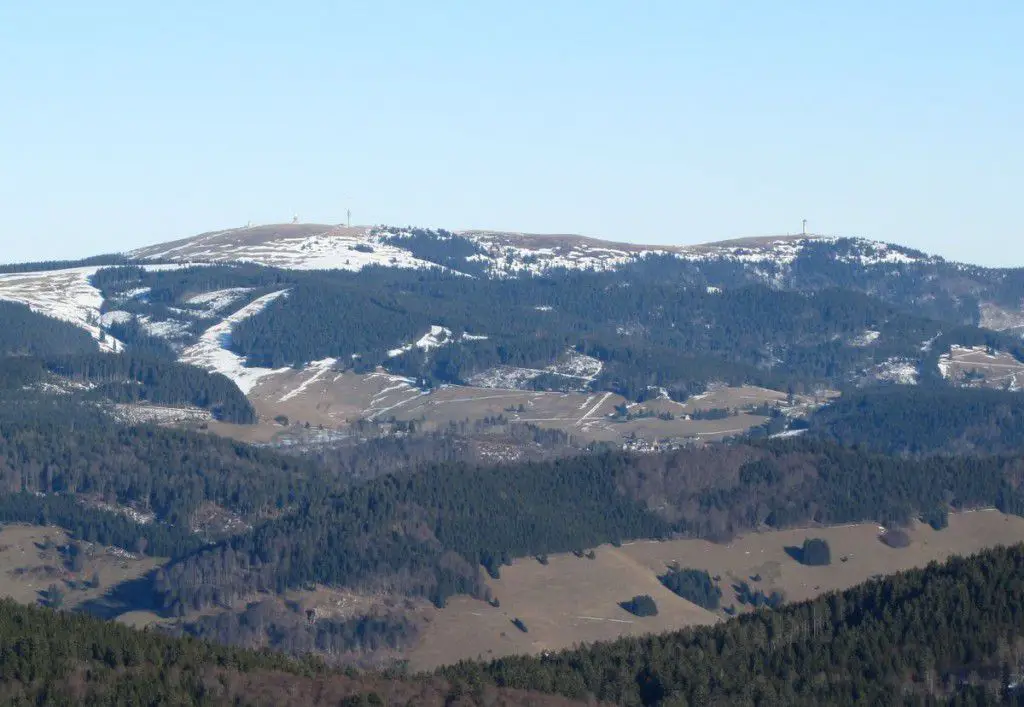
<point>951,632</point>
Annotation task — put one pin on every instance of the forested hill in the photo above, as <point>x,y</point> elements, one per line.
<point>925,420</point>
<point>37,350</point>
<point>429,533</point>
<point>950,632</point>
<point>55,658</point>
<point>644,329</point>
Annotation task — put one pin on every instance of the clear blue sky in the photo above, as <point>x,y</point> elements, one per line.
<point>126,123</point>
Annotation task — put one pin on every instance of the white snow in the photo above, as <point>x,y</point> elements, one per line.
<point>136,413</point>
<point>576,365</point>
<point>900,371</point>
<point>319,369</point>
<point>789,433</point>
<point>437,337</point>
<point>67,295</point>
<point>218,299</point>
<point>510,377</point>
<point>137,292</point>
<point>867,338</point>
<point>211,352</point>
<point>108,319</point>
<point>165,329</point>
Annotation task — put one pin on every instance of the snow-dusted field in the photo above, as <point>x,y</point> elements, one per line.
<point>900,371</point>
<point>580,370</point>
<point>976,366</point>
<point>291,247</point>
<point>138,413</point>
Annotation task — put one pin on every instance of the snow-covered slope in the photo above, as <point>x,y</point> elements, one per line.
<point>289,246</point>
<point>67,295</point>
<point>211,351</point>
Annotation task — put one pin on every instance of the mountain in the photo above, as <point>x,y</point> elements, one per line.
<point>903,276</point>
<point>498,253</point>
<point>327,325</point>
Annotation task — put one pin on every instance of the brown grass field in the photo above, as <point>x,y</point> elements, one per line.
<point>334,400</point>
<point>27,570</point>
<point>976,367</point>
<point>573,600</point>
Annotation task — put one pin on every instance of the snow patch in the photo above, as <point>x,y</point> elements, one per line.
<point>867,338</point>
<point>67,295</point>
<point>437,337</point>
<point>218,300</point>
<point>109,319</point>
<point>166,328</point>
<point>211,352</point>
<point>137,414</point>
<point>899,371</point>
<point>576,365</point>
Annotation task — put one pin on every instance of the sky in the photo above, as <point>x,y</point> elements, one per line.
<point>129,123</point>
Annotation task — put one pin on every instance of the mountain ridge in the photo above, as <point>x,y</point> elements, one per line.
<point>311,245</point>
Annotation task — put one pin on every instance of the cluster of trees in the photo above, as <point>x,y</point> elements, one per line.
<point>641,605</point>
<point>756,597</point>
<point>950,632</point>
<point>54,451</point>
<point>28,333</point>
<point>425,534</point>
<point>439,246</point>
<point>49,265</point>
<point>693,585</point>
<point>921,420</point>
<point>273,625</point>
<point>724,489</point>
<point>131,378</point>
<point>815,552</point>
